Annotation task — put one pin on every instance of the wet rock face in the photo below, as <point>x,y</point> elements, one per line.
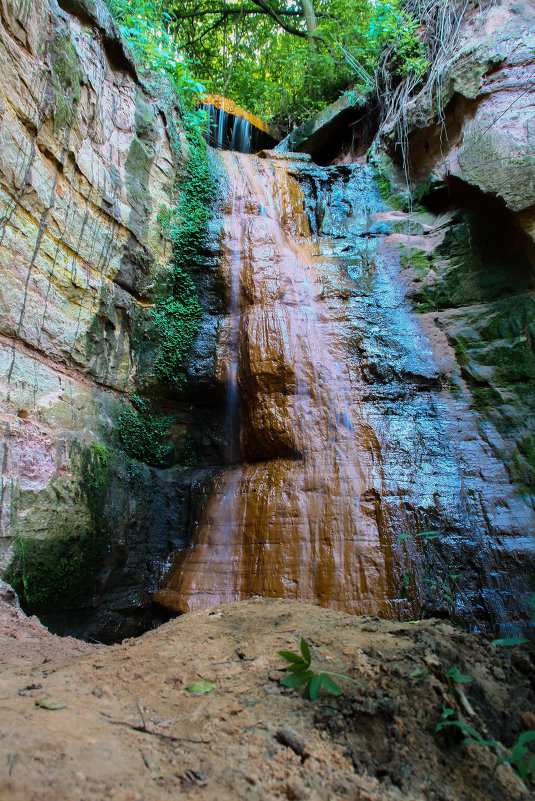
<point>86,163</point>
<point>357,431</point>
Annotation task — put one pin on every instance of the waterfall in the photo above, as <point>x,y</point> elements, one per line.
<point>287,521</point>
<point>226,131</point>
<point>347,444</point>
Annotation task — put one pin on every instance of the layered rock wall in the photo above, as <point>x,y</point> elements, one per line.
<point>87,160</point>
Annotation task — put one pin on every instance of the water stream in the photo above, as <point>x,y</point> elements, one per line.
<point>349,438</point>
<point>287,521</point>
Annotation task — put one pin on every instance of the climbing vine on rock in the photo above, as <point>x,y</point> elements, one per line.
<point>141,432</point>
<point>177,313</point>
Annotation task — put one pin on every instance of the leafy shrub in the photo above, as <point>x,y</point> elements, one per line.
<point>141,432</point>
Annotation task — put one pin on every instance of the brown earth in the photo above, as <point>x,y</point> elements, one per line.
<point>130,729</point>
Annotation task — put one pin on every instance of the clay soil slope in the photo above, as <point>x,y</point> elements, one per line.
<point>128,727</point>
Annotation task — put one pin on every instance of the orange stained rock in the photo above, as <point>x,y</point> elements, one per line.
<point>297,518</point>
<point>217,101</point>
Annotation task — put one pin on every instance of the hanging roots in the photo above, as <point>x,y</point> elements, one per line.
<point>440,25</point>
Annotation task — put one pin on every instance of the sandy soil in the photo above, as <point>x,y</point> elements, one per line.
<point>130,730</point>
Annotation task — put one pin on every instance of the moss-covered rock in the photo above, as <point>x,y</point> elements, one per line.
<point>67,77</point>
<point>58,552</point>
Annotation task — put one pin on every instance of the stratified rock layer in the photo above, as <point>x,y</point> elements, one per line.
<point>86,163</point>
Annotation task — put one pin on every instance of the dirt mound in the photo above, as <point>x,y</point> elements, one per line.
<point>128,727</point>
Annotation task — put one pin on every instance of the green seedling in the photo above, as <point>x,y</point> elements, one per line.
<point>454,676</point>
<point>300,674</point>
<point>419,673</point>
<point>521,758</point>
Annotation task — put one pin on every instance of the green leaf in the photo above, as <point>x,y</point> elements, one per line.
<point>478,741</point>
<point>419,672</point>
<point>315,687</point>
<point>305,650</point>
<point>302,666</point>
<point>456,676</point>
<point>290,656</point>
<point>201,687</point>
<point>526,737</point>
<point>509,641</point>
<point>297,680</point>
<point>47,703</point>
<point>330,685</point>
<point>429,535</point>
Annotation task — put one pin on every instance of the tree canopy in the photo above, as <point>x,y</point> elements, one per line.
<point>280,59</point>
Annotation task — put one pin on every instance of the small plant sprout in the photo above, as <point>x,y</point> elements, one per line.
<point>520,757</point>
<point>300,674</point>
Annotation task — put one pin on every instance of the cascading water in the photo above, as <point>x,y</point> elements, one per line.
<point>287,522</point>
<point>347,436</point>
<point>234,131</point>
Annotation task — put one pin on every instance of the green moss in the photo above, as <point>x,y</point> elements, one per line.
<point>399,201</point>
<point>523,464</point>
<point>415,259</point>
<point>60,569</point>
<point>479,263</point>
<point>421,262</point>
<point>383,183</point>
<point>496,354</point>
<point>138,165</point>
<point>67,75</point>
<point>187,455</point>
<point>141,432</point>
<point>95,471</point>
<point>460,351</point>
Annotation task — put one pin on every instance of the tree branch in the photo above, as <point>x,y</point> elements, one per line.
<point>278,19</point>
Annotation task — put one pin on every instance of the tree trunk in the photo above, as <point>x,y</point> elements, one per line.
<point>311,23</point>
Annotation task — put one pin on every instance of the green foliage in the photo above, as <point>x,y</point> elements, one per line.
<point>520,757</point>
<point>300,674</point>
<point>454,676</point>
<point>145,26</point>
<point>177,314</point>
<point>508,642</point>
<point>141,432</point>
<point>391,25</point>
<point>240,51</point>
<point>201,687</point>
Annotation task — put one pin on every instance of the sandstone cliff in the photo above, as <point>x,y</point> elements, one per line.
<point>88,157</point>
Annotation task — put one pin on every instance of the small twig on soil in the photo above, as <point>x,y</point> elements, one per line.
<point>290,739</point>
<point>143,728</point>
<point>10,762</point>
<point>465,702</point>
<point>142,716</point>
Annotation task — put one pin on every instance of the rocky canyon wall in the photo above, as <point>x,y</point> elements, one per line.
<point>89,156</point>
<point>419,407</point>
<point>431,293</point>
